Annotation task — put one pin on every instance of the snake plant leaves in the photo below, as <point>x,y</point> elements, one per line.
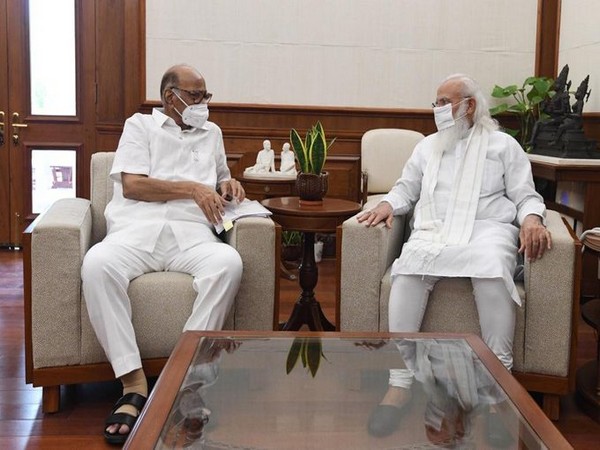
<point>300,150</point>
<point>312,152</point>
<point>318,149</point>
<point>293,355</point>
<point>313,355</point>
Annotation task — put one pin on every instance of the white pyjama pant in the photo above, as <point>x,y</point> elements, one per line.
<point>497,315</point>
<point>108,269</point>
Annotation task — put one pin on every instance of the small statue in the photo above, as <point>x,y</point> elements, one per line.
<point>556,107</point>
<point>288,160</point>
<point>561,134</point>
<point>265,160</point>
<point>574,120</point>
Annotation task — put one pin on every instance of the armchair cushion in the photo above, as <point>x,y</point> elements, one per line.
<point>384,152</point>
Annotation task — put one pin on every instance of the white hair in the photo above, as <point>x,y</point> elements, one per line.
<point>470,88</point>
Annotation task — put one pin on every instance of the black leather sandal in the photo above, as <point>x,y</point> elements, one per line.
<point>137,401</point>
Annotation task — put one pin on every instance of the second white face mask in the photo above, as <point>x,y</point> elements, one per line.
<point>195,115</point>
<point>443,117</point>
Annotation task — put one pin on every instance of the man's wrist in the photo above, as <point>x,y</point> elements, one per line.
<point>536,217</point>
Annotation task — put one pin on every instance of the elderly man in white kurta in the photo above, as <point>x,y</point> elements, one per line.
<point>471,188</point>
<point>171,182</point>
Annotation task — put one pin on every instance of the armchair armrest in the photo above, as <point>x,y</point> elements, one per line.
<point>55,244</point>
<point>366,254</point>
<point>550,286</point>
<point>258,241</point>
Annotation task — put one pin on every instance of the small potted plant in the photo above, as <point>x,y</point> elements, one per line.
<point>311,153</point>
<point>291,249</point>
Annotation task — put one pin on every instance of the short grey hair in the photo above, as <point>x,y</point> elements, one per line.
<point>470,88</point>
<point>169,80</point>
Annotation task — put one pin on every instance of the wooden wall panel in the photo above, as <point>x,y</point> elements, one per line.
<point>547,38</point>
<point>107,138</point>
<point>110,62</point>
<point>245,127</point>
<point>591,126</point>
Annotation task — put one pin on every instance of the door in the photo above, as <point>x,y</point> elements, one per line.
<point>44,106</point>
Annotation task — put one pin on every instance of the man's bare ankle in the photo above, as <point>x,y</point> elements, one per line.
<point>396,396</point>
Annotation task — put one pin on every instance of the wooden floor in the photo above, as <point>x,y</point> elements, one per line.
<point>79,424</point>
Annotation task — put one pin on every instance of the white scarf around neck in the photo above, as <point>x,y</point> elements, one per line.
<point>431,235</point>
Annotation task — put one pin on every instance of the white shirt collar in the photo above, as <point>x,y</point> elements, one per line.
<point>159,116</point>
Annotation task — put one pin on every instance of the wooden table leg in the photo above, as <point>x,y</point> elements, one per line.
<point>307,310</point>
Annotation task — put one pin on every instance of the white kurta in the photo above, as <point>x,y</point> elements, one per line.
<point>507,196</point>
<point>154,145</point>
<point>159,236</point>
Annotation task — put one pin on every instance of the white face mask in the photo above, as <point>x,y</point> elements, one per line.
<point>443,116</point>
<point>194,115</point>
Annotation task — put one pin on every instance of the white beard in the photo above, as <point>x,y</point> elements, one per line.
<point>450,137</point>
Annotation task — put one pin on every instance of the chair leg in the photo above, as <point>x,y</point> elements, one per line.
<point>50,399</point>
<point>551,406</point>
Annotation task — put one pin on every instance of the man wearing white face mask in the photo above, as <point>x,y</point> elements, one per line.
<point>471,188</point>
<point>171,183</point>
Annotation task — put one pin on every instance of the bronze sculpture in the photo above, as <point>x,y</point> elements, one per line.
<point>560,133</point>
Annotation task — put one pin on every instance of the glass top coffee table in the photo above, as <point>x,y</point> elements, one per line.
<point>300,390</point>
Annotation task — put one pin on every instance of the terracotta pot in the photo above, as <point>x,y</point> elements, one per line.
<point>312,187</point>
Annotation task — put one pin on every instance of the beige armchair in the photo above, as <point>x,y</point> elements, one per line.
<point>383,153</point>
<point>544,356</point>
<point>61,347</point>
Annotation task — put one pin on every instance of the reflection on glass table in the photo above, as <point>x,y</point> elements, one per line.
<point>240,393</point>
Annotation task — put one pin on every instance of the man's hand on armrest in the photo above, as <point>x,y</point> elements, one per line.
<point>382,212</point>
<point>535,238</point>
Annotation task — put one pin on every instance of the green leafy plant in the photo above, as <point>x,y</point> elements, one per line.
<point>526,105</point>
<point>311,152</point>
<point>291,237</point>
<point>309,351</point>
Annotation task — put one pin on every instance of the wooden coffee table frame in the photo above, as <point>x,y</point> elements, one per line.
<point>148,428</point>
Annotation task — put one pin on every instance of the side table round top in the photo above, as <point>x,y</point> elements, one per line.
<point>323,217</point>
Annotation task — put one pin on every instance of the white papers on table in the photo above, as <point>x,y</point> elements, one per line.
<point>234,211</point>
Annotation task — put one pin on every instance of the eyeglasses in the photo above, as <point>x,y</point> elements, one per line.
<point>203,96</point>
<point>446,101</point>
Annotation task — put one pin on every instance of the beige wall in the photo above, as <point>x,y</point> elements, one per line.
<point>580,45</point>
<point>363,53</point>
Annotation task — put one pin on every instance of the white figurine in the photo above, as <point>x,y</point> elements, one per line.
<point>288,161</point>
<point>265,160</point>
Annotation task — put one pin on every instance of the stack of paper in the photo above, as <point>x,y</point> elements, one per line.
<point>234,211</point>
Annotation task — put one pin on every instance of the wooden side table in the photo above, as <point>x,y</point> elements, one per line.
<point>262,188</point>
<point>323,218</point>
